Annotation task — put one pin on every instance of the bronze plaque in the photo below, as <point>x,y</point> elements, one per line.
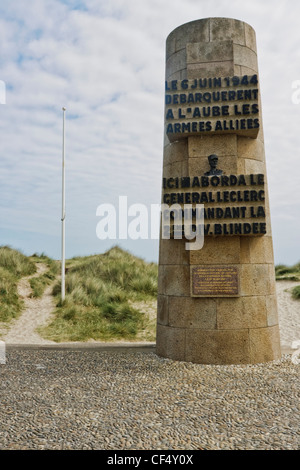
<point>214,281</point>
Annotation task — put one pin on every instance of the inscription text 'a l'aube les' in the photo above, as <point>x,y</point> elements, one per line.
<point>212,105</point>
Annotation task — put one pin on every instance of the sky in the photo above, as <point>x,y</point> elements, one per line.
<point>105,62</point>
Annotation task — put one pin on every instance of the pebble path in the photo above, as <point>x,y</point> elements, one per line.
<point>131,400</point>
<point>125,399</point>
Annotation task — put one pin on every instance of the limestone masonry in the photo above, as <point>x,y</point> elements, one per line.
<point>216,305</point>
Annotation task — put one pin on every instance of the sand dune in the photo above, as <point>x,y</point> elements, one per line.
<point>38,311</point>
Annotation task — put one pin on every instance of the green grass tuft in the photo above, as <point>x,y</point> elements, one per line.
<point>101,293</point>
<point>296,292</point>
<point>39,284</point>
<point>287,273</point>
<point>13,266</point>
<point>15,262</point>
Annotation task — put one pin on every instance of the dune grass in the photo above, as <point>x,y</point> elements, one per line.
<point>106,295</point>
<point>103,294</point>
<point>13,266</point>
<point>296,292</point>
<point>38,284</point>
<point>287,273</point>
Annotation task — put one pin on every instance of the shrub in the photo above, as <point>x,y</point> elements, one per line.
<point>296,292</point>
<point>291,273</point>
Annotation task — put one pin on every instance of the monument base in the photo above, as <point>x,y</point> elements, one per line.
<point>219,347</point>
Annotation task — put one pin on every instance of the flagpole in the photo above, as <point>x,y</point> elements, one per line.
<point>63,215</point>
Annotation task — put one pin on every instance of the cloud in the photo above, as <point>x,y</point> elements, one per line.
<point>105,62</point>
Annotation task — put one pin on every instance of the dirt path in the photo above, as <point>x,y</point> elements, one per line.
<point>37,312</point>
<point>288,313</point>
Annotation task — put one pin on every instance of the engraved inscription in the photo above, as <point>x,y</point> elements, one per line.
<point>214,281</point>
<point>212,106</point>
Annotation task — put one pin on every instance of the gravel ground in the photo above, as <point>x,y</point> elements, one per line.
<point>117,400</point>
<point>86,397</point>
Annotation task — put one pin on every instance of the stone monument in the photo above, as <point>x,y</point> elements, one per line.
<point>217,304</point>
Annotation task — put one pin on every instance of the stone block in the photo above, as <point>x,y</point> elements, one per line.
<point>245,250</point>
<point>261,250</point>
<point>247,71</point>
<point>250,37</point>
<point>166,139</point>
<point>210,69</point>
<point>170,342</point>
<point>272,310</point>
<point>171,45</point>
<point>217,347</point>
<point>176,152</point>
<point>218,51</point>
<point>187,312</point>
<point>254,280</point>
<point>268,224</point>
<point>194,31</point>
<point>243,312</point>
<point>272,279</point>
<point>245,57</point>
<point>162,310</point>
<point>228,163</point>
<point>185,168</point>
<point>222,29</point>
<point>264,345</point>
<point>197,166</point>
<point>175,63</point>
<point>260,135</point>
<point>254,167</point>
<point>173,252</point>
<point>161,280</point>
<point>179,168</point>
<point>218,144</point>
<point>218,251</point>
<point>237,70</point>
<point>248,148</point>
<point>240,166</point>
<point>170,251</point>
<point>177,280</point>
<point>179,75</point>
<point>172,169</point>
